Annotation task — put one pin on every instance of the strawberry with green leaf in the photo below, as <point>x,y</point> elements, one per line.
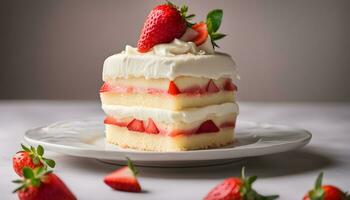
<point>163,24</point>
<point>325,192</point>
<point>31,157</point>
<point>209,28</point>
<point>237,189</point>
<point>41,184</point>
<point>124,179</point>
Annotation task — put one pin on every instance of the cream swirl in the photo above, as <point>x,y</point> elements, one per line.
<point>176,47</point>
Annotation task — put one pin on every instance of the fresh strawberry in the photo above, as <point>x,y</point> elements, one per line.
<point>211,87</point>
<point>163,24</point>
<point>30,157</point>
<point>124,179</point>
<point>237,189</point>
<point>136,125</point>
<point>229,86</point>
<point>202,31</point>
<point>173,90</point>
<point>151,127</point>
<point>207,127</point>
<point>39,184</point>
<point>325,192</point>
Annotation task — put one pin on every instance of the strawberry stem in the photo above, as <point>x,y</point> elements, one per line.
<point>132,166</point>
<point>247,192</point>
<point>183,12</point>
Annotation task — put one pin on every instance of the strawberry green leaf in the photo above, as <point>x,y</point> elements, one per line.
<point>32,149</point>
<point>214,17</point>
<point>40,150</point>
<point>215,45</point>
<point>318,183</point>
<point>189,17</point>
<point>39,171</point>
<point>28,172</point>
<point>51,163</point>
<point>271,197</point>
<point>17,181</point>
<point>217,36</point>
<point>18,189</point>
<point>25,148</point>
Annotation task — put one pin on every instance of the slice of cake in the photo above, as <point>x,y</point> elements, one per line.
<point>177,95</point>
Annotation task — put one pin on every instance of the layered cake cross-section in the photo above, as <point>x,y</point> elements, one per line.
<point>176,96</point>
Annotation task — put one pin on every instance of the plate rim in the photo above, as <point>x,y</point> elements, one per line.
<point>105,154</point>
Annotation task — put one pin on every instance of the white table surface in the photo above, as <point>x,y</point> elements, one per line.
<point>290,174</point>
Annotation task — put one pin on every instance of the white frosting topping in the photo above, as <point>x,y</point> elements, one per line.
<point>176,47</point>
<point>163,115</point>
<point>169,61</point>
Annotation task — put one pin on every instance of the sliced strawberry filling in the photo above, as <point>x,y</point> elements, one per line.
<point>139,126</point>
<point>211,87</point>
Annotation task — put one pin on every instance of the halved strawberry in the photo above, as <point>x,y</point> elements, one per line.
<point>124,179</point>
<point>136,125</point>
<point>173,90</point>
<point>151,127</point>
<point>207,127</point>
<point>229,86</point>
<point>202,31</point>
<point>105,88</point>
<point>211,87</point>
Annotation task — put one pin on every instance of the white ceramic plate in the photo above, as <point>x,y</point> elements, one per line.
<point>86,139</point>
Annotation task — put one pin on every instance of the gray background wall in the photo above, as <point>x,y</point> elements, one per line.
<point>297,50</point>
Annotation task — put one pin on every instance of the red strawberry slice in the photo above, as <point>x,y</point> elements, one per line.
<point>228,189</point>
<point>112,121</point>
<point>151,127</point>
<point>136,125</point>
<point>163,24</point>
<point>202,36</point>
<point>229,86</point>
<point>124,179</point>
<point>211,87</point>
<point>105,88</point>
<point>173,90</point>
<point>207,127</point>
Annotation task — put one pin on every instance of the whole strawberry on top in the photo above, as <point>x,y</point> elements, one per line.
<point>163,24</point>
<point>325,192</point>
<point>40,184</point>
<point>235,188</point>
<point>124,179</point>
<point>32,158</point>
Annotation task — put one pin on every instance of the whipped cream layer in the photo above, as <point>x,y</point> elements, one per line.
<point>169,61</point>
<point>169,116</point>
